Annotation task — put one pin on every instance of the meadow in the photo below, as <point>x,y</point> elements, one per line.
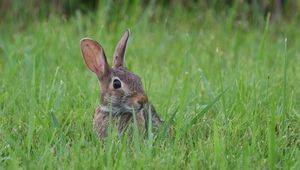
<point>230,90</point>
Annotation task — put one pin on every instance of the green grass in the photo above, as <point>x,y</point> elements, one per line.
<point>234,92</point>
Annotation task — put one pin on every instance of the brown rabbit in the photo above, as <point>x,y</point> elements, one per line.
<point>122,93</point>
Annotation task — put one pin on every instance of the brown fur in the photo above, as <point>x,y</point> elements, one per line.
<point>122,122</point>
<point>124,101</point>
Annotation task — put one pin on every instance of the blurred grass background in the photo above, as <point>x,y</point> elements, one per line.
<point>253,11</point>
<point>187,54</point>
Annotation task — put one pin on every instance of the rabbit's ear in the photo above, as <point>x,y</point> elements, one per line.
<point>94,57</point>
<point>119,54</point>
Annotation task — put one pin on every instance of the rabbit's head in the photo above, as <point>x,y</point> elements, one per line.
<point>121,90</point>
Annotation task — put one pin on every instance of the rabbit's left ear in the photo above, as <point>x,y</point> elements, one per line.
<point>119,54</point>
<point>94,57</point>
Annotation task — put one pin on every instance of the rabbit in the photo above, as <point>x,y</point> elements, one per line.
<point>122,93</point>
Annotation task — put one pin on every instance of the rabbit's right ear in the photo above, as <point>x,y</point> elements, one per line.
<point>94,57</point>
<point>119,54</point>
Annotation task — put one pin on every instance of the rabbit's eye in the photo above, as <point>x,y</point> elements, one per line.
<point>116,84</point>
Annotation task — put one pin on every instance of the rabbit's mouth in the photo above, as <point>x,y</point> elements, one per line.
<point>117,108</point>
<point>134,108</point>
<point>126,104</point>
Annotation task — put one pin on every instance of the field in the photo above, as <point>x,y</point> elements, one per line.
<point>232,88</point>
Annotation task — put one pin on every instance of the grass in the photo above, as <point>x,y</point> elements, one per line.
<point>233,91</point>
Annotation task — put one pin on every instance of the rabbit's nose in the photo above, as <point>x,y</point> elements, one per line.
<point>141,99</point>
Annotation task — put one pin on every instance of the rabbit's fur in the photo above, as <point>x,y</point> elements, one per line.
<point>122,92</point>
